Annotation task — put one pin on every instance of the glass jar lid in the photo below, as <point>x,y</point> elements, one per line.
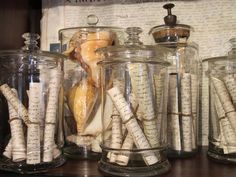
<point>170,31</point>
<point>92,27</point>
<point>133,50</point>
<point>30,53</point>
<point>230,57</point>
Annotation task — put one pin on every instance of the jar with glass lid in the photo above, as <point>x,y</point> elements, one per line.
<point>222,105</point>
<point>31,102</point>
<point>134,108</point>
<point>183,85</point>
<point>83,122</point>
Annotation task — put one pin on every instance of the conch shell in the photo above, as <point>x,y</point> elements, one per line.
<point>81,100</point>
<point>82,47</point>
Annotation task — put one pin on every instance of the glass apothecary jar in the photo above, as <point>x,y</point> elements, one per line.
<point>31,102</point>
<point>83,122</point>
<point>222,89</point>
<point>183,85</point>
<point>133,83</point>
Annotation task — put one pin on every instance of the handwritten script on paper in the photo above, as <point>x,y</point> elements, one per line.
<point>212,20</point>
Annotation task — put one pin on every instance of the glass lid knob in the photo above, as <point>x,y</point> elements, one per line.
<point>30,41</point>
<point>92,20</point>
<point>170,19</point>
<point>133,36</point>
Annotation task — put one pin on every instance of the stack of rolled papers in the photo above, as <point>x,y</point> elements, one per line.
<point>224,99</point>
<point>27,147</point>
<point>134,120</point>
<point>182,132</point>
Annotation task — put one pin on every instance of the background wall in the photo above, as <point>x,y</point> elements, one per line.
<point>16,18</point>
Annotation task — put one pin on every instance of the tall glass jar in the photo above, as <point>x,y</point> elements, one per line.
<point>133,83</point>
<point>31,102</point>
<point>83,122</point>
<point>183,85</point>
<point>222,88</point>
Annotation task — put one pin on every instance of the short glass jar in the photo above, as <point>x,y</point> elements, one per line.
<point>134,108</point>
<point>83,122</point>
<point>31,102</point>
<point>183,96</point>
<point>222,106</point>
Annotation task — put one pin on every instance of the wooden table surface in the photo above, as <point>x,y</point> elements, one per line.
<point>198,166</point>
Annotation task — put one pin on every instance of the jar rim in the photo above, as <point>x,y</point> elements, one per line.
<point>36,52</point>
<point>63,31</point>
<point>177,26</point>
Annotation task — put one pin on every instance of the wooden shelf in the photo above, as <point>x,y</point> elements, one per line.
<point>196,166</point>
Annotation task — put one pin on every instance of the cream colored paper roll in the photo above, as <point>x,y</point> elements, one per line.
<point>159,86</point>
<point>116,129</point>
<point>51,114</point>
<point>33,131</point>
<point>116,136</point>
<point>17,134</point>
<point>223,94</point>
<point>15,102</point>
<point>123,159</point>
<point>226,128</point>
<point>214,121</point>
<point>225,100</point>
<point>141,87</point>
<point>174,123</point>
<point>231,86</point>
<point>159,99</point>
<point>8,150</point>
<point>194,99</point>
<point>227,148</point>
<point>186,111</point>
<point>131,124</point>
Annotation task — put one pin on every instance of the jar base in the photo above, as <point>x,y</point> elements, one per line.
<point>216,154</point>
<point>148,171</point>
<point>23,168</point>
<point>82,153</point>
<point>181,154</point>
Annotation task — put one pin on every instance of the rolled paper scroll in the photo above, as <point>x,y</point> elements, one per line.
<point>116,129</point>
<point>44,80</point>
<point>231,86</point>
<point>132,125</point>
<point>116,136</point>
<point>143,91</point>
<point>159,97</point>
<point>205,104</point>
<point>225,100</point>
<point>123,158</point>
<point>15,102</point>
<point>228,132</point>
<point>222,142</point>
<point>194,98</point>
<point>80,140</point>
<point>33,131</point>
<point>51,114</point>
<point>186,111</point>
<point>135,106</point>
<point>225,126</point>
<point>95,146</point>
<point>214,121</point>
<point>173,113</point>
<point>227,148</point>
<point>159,85</point>
<point>8,150</point>
<point>17,134</point>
